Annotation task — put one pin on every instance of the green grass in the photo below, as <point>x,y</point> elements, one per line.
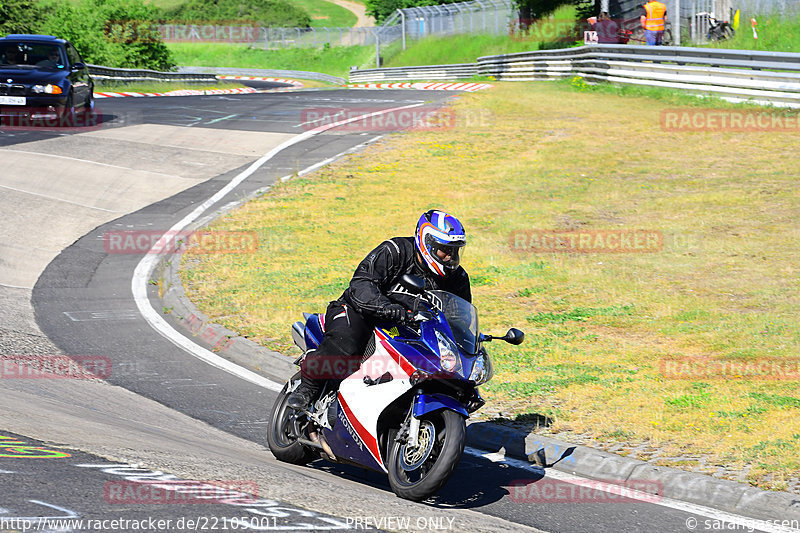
<point>336,60</point>
<point>561,155</point>
<point>327,14</point>
<point>322,13</point>
<point>775,34</point>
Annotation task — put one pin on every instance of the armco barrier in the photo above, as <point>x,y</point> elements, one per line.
<point>203,74</point>
<point>130,74</point>
<point>772,77</point>
<point>433,72</point>
<point>266,73</point>
<point>763,77</point>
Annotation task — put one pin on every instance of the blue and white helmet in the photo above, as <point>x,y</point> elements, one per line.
<point>439,240</point>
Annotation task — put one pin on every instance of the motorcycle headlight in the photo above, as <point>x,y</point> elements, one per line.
<point>482,369</point>
<point>448,354</point>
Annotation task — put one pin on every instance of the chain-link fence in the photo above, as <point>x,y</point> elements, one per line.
<point>477,16</point>
<point>277,38</point>
<point>751,8</point>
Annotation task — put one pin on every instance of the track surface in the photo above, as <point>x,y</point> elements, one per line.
<point>148,410</point>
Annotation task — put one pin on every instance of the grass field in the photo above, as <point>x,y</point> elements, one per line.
<point>335,61</point>
<point>599,326</point>
<point>775,34</point>
<point>323,13</point>
<point>327,14</point>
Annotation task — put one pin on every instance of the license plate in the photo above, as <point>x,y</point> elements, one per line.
<point>12,100</point>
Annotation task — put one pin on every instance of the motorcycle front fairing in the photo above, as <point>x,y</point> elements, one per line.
<point>385,377</point>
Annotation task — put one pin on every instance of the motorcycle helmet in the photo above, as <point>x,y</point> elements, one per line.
<point>439,240</point>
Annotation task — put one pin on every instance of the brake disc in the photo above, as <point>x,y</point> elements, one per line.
<point>413,458</point>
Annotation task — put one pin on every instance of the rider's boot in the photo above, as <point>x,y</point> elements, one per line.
<point>304,394</point>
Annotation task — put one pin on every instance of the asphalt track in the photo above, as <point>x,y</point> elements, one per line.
<point>161,407</point>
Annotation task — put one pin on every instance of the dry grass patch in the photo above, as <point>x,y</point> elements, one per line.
<point>546,156</point>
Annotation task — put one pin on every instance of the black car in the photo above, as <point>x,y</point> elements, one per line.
<point>43,78</point>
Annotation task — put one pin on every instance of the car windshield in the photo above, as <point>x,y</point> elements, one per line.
<point>29,55</point>
<point>462,318</point>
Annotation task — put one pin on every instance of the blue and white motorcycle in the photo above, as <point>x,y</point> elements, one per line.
<point>403,410</point>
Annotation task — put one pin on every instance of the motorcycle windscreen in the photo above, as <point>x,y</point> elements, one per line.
<point>461,316</point>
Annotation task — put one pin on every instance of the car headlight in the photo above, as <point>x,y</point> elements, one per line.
<point>47,89</point>
<point>448,354</point>
<point>482,369</point>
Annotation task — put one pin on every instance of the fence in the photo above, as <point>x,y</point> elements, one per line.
<point>476,16</point>
<point>750,8</point>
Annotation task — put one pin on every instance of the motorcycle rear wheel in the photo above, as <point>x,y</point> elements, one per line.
<point>417,473</point>
<point>283,445</point>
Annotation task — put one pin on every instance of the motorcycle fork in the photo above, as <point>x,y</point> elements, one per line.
<point>412,423</point>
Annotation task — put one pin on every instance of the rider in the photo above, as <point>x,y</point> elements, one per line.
<point>433,253</point>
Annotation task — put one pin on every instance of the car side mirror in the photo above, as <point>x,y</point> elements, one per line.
<point>78,66</point>
<point>413,284</point>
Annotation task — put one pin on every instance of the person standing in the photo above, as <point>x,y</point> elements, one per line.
<point>653,22</point>
<point>607,30</point>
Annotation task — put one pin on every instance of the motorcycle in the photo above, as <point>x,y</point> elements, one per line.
<point>402,410</point>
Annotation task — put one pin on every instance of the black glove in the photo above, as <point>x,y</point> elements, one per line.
<point>394,312</point>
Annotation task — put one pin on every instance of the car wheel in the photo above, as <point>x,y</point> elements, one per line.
<point>67,119</point>
<point>87,115</point>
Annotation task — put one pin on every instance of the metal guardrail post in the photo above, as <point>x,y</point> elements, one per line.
<point>483,12</point>
<point>403,24</point>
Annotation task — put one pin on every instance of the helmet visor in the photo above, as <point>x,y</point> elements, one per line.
<point>448,255</point>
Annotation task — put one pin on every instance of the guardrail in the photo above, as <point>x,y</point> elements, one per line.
<point>266,73</point>
<point>734,74</point>
<point>204,74</point>
<point>764,77</point>
<point>128,74</point>
<point>432,72</point>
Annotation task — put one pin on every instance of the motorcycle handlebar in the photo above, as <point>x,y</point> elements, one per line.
<point>408,318</point>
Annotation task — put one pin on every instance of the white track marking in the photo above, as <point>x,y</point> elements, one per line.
<point>144,269</point>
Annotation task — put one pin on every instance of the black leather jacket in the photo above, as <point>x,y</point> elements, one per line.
<point>375,283</point>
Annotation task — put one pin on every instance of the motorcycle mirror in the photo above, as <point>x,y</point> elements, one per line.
<point>413,284</point>
<point>514,336</point>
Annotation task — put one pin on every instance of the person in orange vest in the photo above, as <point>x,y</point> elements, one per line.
<point>653,20</point>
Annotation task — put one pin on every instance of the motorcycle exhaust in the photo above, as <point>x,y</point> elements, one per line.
<point>318,441</point>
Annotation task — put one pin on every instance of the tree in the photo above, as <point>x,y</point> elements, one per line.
<point>383,9</point>
<point>19,16</point>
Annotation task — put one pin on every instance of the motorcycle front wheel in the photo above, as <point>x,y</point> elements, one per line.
<point>282,443</point>
<point>415,473</point>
